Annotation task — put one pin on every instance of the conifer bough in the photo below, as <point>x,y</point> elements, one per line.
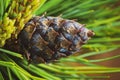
<point>46,39</point>
<point>15,16</point>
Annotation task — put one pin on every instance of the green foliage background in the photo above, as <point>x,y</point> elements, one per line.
<point>102,16</point>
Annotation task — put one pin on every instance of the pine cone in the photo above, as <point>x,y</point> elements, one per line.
<point>46,39</point>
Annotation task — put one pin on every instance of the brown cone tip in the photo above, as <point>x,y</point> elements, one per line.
<point>90,33</point>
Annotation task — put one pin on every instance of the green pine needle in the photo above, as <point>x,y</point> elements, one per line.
<point>11,53</point>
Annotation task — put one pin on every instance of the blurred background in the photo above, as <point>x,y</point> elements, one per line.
<point>99,58</point>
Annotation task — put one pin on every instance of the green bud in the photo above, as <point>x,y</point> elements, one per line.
<point>2,42</point>
<point>4,35</point>
<point>21,8</point>
<point>28,8</point>
<point>24,2</point>
<point>13,5</point>
<point>8,36</point>
<point>19,16</point>
<point>21,24</point>
<point>12,22</point>
<point>13,15</point>
<point>6,21</point>
<point>27,13</point>
<point>34,2</point>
